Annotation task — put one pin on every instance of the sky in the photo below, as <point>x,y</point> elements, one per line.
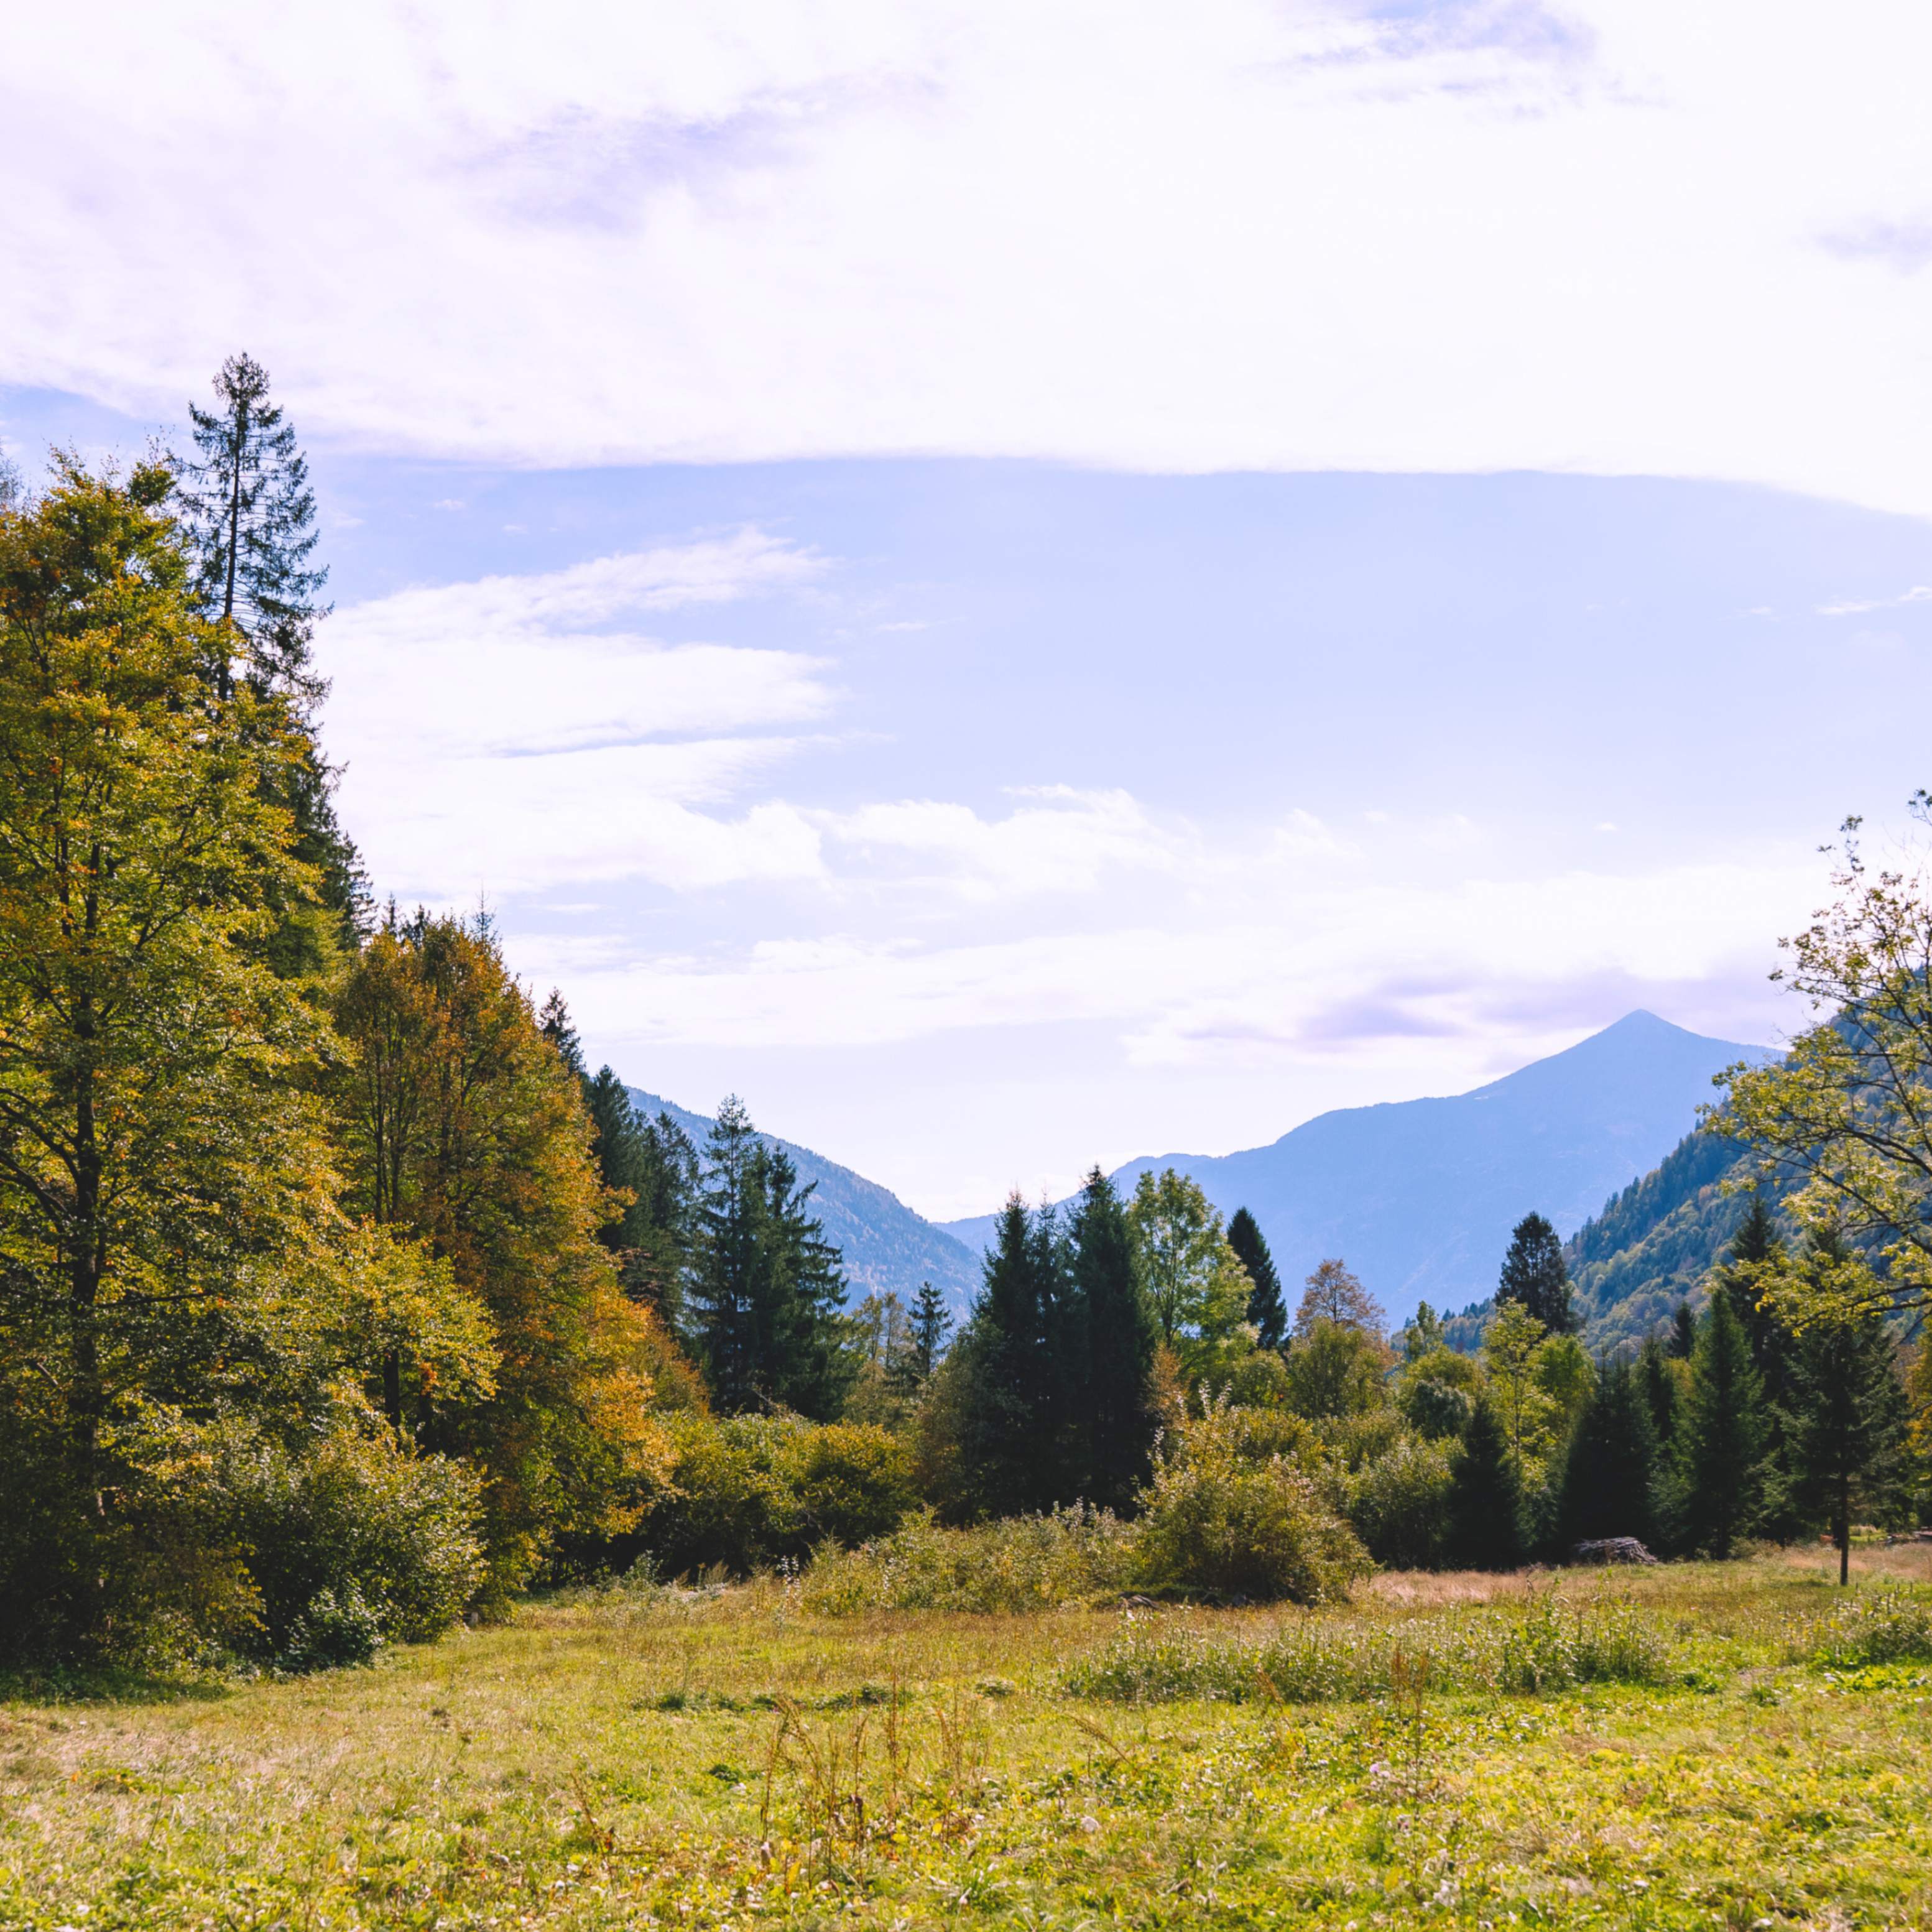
<point>1023,585</point>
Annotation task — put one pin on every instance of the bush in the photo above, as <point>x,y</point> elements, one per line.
<point>359,1530</point>
<point>1398,1503</point>
<point>1890,1625</point>
<point>1022,1563</point>
<point>751,1491</point>
<point>1222,1517</point>
<point>334,1631</point>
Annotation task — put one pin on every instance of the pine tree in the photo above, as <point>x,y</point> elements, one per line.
<point>1844,1427</point>
<point>1268,1312</point>
<point>1013,1449</point>
<point>1609,1472</point>
<point>932,1323</point>
<point>1754,1248</point>
<point>1485,1508</point>
<point>1661,1391</point>
<point>1534,1275</point>
<point>1115,1419</point>
<point>766,1293</point>
<point>1723,1435</point>
<point>250,515</point>
<point>1683,1333</point>
<point>554,1023</point>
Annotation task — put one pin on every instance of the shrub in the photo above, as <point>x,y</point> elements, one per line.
<point>1220,1517</point>
<point>1397,1503</point>
<point>334,1631</point>
<point>750,1491</point>
<point>1601,1642</point>
<point>1890,1625</point>
<point>1073,1555</point>
<point>360,1528</point>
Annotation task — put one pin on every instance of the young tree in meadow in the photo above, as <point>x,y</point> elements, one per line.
<point>1485,1510</point>
<point>1722,1436</point>
<point>766,1292</point>
<point>1610,1466</point>
<point>1535,1276</point>
<point>1117,1419</point>
<point>1196,1285</point>
<point>1268,1312</point>
<point>1845,1417</point>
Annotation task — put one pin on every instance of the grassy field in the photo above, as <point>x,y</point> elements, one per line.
<point>1685,1746</point>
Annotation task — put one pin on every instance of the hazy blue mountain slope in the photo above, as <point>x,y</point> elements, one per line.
<point>1419,1196</point>
<point>886,1245</point>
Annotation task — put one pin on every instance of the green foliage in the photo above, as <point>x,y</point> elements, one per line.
<point>1195,1285</point>
<point>1227,1514</point>
<point>1485,1529</point>
<point>1887,1625</point>
<point>1534,1275</point>
<point>747,1492</point>
<point>1610,1467</point>
<point>1017,1564</point>
<point>1435,1391</point>
<point>1268,1312</point>
<point>766,1292</point>
<point>1113,1420</point>
<point>1335,1368</point>
<point>1723,1436</point>
<point>1398,1503</point>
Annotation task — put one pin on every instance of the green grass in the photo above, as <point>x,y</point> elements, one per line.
<point>1694,1746</point>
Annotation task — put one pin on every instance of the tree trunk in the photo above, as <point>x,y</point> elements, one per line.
<point>1843,1526</point>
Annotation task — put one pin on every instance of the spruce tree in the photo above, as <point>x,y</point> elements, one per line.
<point>1661,1391</point>
<point>1683,1333</point>
<point>1844,1427</point>
<point>931,1324</point>
<point>1268,1312</point>
<point>554,1022</point>
<point>1754,1246</point>
<point>766,1291</point>
<point>1115,1420</point>
<point>1485,1508</point>
<point>1722,1435</point>
<point>1534,1275</point>
<point>248,515</point>
<point>1609,1473</point>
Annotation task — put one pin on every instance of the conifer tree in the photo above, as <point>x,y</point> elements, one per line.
<point>1683,1333</point>
<point>1844,1427</point>
<point>932,1323</point>
<point>1609,1472</point>
<point>1116,1420</point>
<point>1485,1509</point>
<point>766,1291</point>
<point>1722,1435</point>
<point>249,517</point>
<point>1268,1312</point>
<point>1661,1392</point>
<point>1534,1275</point>
<point>250,514</point>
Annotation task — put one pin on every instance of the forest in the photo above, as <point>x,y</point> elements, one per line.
<point>343,1304</point>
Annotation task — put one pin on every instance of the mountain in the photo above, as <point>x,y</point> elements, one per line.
<point>886,1247</point>
<point>1419,1196</point>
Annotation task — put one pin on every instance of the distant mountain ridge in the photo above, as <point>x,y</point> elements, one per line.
<point>1419,1196</point>
<point>887,1248</point>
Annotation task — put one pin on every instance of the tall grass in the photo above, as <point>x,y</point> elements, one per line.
<point>1070,1557</point>
<point>1547,1645</point>
<point>1889,1625</point>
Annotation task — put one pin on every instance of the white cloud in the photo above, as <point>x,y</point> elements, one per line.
<point>1919,593</point>
<point>1301,235</point>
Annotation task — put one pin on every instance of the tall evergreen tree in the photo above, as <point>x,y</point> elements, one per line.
<point>1268,1312</point>
<point>766,1292</point>
<point>1014,1450</point>
<point>249,516</point>
<point>1844,1427</point>
<point>1485,1509</point>
<point>1610,1471</point>
<point>932,1323</point>
<point>1115,1416</point>
<point>554,1022</point>
<point>1661,1391</point>
<point>1754,1248</point>
<point>1723,1436</point>
<point>1534,1275</point>
<point>1683,1333</point>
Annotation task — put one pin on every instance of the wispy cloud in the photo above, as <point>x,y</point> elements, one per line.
<point>1851,606</point>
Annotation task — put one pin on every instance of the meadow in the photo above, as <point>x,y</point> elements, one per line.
<point>1696,1744</point>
